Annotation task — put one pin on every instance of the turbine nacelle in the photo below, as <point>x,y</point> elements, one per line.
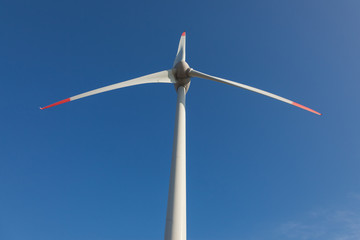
<point>181,73</point>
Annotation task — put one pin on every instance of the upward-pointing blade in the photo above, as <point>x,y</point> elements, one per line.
<point>180,55</point>
<point>159,77</point>
<point>194,73</point>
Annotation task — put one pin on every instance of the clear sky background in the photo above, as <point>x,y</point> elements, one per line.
<point>257,169</point>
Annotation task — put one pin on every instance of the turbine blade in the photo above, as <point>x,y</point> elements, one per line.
<point>159,77</point>
<point>194,73</point>
<point>180,55</point>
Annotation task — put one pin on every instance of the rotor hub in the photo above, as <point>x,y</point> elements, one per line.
<point>181,72</point>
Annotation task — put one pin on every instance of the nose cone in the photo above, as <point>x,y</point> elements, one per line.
<point>181,73</point>
<point>181,70</point>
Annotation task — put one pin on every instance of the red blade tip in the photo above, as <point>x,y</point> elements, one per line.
<point>57,103</point>
<point>306,108</point>
<point>183,34</point>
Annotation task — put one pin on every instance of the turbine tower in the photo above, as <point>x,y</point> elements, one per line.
<point>179,75</point>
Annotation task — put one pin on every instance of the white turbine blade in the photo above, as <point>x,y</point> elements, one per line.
<point>194,73</point>
<point>180,55</point>
<point>159,77</point>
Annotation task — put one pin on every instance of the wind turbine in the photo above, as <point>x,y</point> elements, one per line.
<point>179,75</point>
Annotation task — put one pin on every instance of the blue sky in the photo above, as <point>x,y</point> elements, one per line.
<point>98,168</point>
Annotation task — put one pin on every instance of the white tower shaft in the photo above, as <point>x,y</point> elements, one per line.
<point>175,228</point>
